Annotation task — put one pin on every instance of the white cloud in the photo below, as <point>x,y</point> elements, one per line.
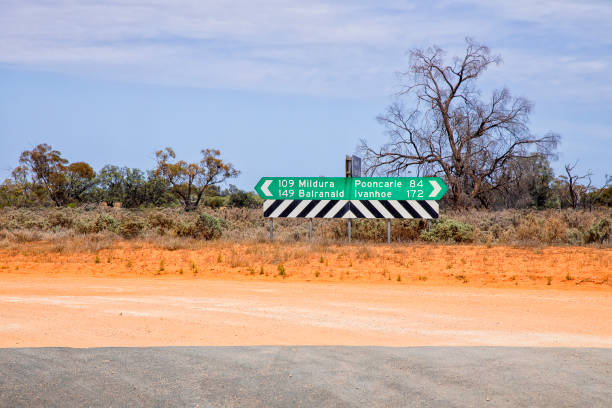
<point>322,47</point>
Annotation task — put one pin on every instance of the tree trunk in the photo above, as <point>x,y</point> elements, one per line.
<point>190,206</point>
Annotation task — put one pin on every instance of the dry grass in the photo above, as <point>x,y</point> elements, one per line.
<point>420,264</point>
<point>80,229</point>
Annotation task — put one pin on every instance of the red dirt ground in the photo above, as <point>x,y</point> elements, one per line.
<point>135,295</point>
<point>424,265</point>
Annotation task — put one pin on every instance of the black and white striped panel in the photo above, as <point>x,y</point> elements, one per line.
<point>395,209</point>
<point>351,209</point>
<point>305,208</point>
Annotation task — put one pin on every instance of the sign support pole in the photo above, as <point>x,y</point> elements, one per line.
<point>349,229</point>
<point>310,230</point>
<point>388,231</point>
<point>271,229</point>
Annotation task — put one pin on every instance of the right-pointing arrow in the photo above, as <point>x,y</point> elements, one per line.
<point>436,187</point>
<point>264,188</point>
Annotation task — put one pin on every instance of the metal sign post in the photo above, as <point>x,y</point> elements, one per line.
<point>356,164</point>
<point>271,229</point>
<point>353,166</point>
<point>349,229</point>
<point>310,230</point>
<point>388,231</point>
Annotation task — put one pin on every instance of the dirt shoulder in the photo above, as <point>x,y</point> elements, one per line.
<point>86,311</point>
<point>291,294</point>
<point>568,268</point>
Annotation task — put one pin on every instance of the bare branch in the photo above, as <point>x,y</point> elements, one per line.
<point>452,131</point>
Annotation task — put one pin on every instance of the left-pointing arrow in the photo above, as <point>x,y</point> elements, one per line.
<point>264,188</point>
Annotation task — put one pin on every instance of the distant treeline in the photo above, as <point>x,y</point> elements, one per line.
<point>45,178</point>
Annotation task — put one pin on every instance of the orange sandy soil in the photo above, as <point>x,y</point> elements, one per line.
<point>136,296</point>
<point>422,265</point>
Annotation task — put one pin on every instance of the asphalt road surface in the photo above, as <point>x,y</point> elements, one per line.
<point>275,376</point>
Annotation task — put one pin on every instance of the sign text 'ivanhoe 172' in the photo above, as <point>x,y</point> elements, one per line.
<point>352,188</point>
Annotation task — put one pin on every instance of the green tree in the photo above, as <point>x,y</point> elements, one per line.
<point>132,188</point>
<point>157,191</point>
<point>78,178</point>
<point>241,199</point>
<point>189,181</point>
<point>110,181</point>
<point>603,196</point>
<point>538,180</point>
<point>20,191</point>
<point>63,182</point>
<point>46,167</point>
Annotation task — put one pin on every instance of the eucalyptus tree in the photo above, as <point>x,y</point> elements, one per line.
<point>189,181</point>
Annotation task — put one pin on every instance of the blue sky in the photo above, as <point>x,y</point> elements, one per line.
<point>280,87</point>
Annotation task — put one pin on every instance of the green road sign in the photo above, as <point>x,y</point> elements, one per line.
<point>351,188</point>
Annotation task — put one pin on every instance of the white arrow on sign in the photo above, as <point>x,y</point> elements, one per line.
<point>436,187</point>
<point>264,188</point>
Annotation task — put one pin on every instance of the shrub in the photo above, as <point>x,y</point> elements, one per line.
<point>83,225</point>
<point>528,229</point>
<point>106,222</point>
<point>62,218</point>
<point>214,201</point>
<point>573,236</point>
<point>407,229</point>
<point>186,229</point>
<point>553,230</point>
<point>209,227</point>
<point>370,230</point>
<point>205,226</point>
<point>162,220</point>
<point>549,229</point>
<point>36,221</point>
<point>447,230</point>
<point>574,227</point>
<point>242,199</point>
<point>599,231</point>
<point>131,227</point>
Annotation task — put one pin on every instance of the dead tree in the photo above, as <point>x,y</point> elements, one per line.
<point>574,189</point>
<point>451,131</point>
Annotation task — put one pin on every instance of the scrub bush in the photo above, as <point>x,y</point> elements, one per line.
<point>132,226</point>
<point>242,199</point>
<point>84,225</point>
<point>509,227</point>
<point>205,226</point>
<point>209,227</point>
<point>106,222</point>
<point>214,201</point>
<point>599,232</point>
<point>447,230</point>
<point>573,237</point>
<point>163,220</point>
<point>62,218</point>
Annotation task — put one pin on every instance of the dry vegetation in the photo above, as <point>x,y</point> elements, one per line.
<point>517,248</point>
<point>78,229</point>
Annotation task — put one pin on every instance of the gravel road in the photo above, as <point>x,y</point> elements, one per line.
<point>275,376</point>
